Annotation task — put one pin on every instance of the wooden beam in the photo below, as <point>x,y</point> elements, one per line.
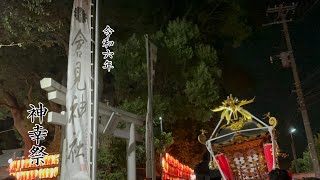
<point>57,94</point>
<point>124,115</point>
<point>111,124</point>
<point>57,118</point>
<point>104,110</point>
<point>49,85</point>
<point>57,97</point>
<point>125,134</point>
<point>120,111</point>
<point>61,119</point>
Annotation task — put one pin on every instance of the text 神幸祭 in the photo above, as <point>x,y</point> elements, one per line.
<point>37,134</point>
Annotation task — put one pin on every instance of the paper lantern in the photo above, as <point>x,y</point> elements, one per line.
<point>28,175</point>
<point>173,169</point>
<point>27,163</point>
<point>10,167</point>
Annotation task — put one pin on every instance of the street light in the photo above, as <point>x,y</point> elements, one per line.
<point>293,149</point>
<point>160,118</point>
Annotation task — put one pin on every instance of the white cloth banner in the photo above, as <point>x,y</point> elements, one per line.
<point>78,100</point>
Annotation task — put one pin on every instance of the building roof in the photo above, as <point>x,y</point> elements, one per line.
<point>10,153</point>
<point>7,154</point>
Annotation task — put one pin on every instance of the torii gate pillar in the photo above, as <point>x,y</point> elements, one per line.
<point>131,153</point>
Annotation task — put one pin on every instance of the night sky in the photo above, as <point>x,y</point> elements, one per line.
<point>249,73</point>
<point>271,84</point>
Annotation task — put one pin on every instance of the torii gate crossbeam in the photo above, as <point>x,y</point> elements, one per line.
<point>110,118</point>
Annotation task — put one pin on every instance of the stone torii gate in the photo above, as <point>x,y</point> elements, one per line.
<point>110,117</point>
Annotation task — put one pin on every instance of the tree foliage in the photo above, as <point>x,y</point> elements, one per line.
<point>222,22</point>
<point>41,23</point>
<point>186,68</point>
<point>186,148</point>
<point>20,74</point>
<point>186,85</point>
<point>187,73</point>
<point>35,25</point>
<point>304,164</point>
<point>111,158</point>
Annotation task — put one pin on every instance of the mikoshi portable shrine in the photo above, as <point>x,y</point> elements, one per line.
<point>241,145</point>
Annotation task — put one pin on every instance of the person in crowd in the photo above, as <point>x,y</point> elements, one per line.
<point>279,174</point>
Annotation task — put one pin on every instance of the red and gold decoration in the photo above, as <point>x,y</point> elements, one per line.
<point>224,165</point>
<point>268,154</point>
<point>173,169</point>
<point>202,137</point>
<point>22,169</point>
<point>212,165</point>
<point>243,143</point>
<point>231,107</point>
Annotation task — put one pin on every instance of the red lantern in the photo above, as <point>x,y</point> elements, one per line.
<point>268,155</point>
<point>224,165</point>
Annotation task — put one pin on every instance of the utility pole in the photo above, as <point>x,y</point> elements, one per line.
<point>282,12</point>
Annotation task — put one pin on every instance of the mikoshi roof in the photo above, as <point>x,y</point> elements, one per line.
<point>238,122</point>
<point>242,135</point>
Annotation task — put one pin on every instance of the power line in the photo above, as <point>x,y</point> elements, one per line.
<point>312,96</point>
<point>313,103</point>
<point>6,130</point>
<point>308,10</point>
<point>312,90</point>
<point>310,77</point>
<point>288,60</point>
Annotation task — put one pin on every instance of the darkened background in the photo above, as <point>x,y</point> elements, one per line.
<point>250,73</point>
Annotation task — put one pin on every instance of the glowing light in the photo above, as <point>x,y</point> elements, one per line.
<point>17,165</point>
<point>173,168</point>
<point>10,160</point>
<point>22,169</point>
<point>41,173</point>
